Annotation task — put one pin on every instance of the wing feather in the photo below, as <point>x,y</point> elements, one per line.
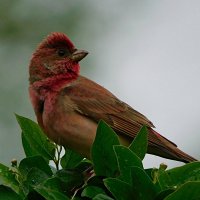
<point>98,103</point>
<point>95,102</point>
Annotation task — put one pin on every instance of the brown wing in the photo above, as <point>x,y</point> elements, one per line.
<point>98,103</point>
<point>95,102</point>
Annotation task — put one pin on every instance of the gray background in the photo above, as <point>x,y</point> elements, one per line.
<point>145,52</point>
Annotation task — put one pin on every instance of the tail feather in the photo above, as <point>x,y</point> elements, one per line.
<point>159,145</point>
<point>184,157</point>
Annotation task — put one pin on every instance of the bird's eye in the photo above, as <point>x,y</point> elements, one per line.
<point>62,52</point>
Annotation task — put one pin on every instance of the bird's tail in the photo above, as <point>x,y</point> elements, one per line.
<point>161,146</point>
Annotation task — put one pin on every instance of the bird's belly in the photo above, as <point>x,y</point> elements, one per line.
<point>71,129</point>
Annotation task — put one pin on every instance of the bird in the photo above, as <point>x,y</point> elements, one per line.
<point>69,106</point>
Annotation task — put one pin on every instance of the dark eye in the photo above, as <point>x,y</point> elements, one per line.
<point>62,52</point>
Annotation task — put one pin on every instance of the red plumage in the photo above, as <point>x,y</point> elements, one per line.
<point>68,106</point>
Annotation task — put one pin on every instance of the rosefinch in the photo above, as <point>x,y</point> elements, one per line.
<point>68,106</point>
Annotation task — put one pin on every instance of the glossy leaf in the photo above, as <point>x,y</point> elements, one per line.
<point>177,176</point>
<point>70,159</point>
<point>70,179</point>
<point>140,143</point>
<point>33,170</point>
<point>84,165</point>
<point>164,193</point>
<point>33,139</point>
<point>34,162</point>
<point>36,176</point>
<point>92,191</point>
<point>126,159</point>
<point>189,190</point>
<point>96,181</point>
<point>51,189</point>
<point>119,189</point>
<point>7,193</point>
<point>142,185</point>
<point>8,178</point>
<point>103,156</point>
<point>102,197</point>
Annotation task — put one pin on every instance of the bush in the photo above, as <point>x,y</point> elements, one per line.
<point>115,172</point>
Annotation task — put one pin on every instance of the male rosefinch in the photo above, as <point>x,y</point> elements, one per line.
<point>68,106</point>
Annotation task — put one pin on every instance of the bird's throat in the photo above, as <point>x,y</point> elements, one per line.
<point>53,84</point>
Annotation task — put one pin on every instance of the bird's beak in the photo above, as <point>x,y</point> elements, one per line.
<point>78,55</point>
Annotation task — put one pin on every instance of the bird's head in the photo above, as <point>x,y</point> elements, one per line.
<point>56,55</point>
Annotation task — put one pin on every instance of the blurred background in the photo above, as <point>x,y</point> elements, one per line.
<point>146,52</point>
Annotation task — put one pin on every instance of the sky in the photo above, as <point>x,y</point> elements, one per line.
<point>152,62</point>
<point>144,52</point>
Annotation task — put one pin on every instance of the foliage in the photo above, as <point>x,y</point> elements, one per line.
<point>114,172</point>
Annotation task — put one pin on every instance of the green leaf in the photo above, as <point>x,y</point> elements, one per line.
<point>164,193</point>
<point>7,193</point>
<point>33,170</point>
<point>140,143</point>
<point>70,159</point>
<point>92,191</point>
<point>84,165</point>
<point>142,185</point>
<point>70,179</point>
<point>36,176</point>
<point>175,177</point>
<point>34,162</point>
<point>149,172</point>
<point>103,156</point>
<point>189,190</point>
<point>33,139</point>
<point>8,178</point>
<point>96,181</point>
<point>126,159</point>
<point>51,189</point>
<point>153,174</point>
<point>102,197</point>
<point>33,195</point>
<point>119,189</point>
